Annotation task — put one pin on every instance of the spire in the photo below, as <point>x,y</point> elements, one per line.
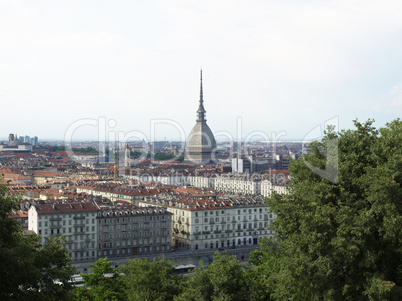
<point>201,94</point>
<point>201,110</point>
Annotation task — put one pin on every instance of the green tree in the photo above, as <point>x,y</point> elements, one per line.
<point>263,263</point>
<point>151,280</point>
<point>340,231</point>
<point>30,271</point>
<point>104,283</point>
<point>224,279</point>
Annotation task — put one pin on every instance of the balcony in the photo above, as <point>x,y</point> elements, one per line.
<point>79,217</point>
<point>217,231</point>
<point>52,219</point>
<point>211,222</point>
<point>228,231</point>
<point>79,225</point>
<point>55,226</point>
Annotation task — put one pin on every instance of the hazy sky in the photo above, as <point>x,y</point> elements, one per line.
<point>282,66</point>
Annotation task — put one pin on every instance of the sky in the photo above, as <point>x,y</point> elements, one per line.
<point>271,69</point>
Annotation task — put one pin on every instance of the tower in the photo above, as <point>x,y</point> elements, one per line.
<point>127,157</point>
<point>201,141</point>
<point>116,163</point>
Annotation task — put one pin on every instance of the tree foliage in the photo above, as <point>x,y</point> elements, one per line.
<point>263,263</point>
<point>340,236</point>
<point>30,271</point>
<point>103,283</point>
<point>151,280</point>
<point>224,279</point>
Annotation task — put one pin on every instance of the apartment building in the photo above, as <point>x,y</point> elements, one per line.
<point>74,220</point>
<point>238,185</point>
<point>201,181</point>
<point>129,230</point>
<point>93,230</point>
<point>267,188</point>
<point>215,223</point>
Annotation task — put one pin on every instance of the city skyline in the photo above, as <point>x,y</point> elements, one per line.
<point>280,67</point>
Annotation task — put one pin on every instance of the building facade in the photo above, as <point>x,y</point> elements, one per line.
<point>125,232</point>
<point>212,224</point>
<point>75,221</point>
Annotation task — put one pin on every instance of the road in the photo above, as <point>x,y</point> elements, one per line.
<point>180,257</point>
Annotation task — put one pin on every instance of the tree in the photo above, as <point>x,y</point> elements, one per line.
<point>224,279</point>
<point>104,283</point>
<point>151,280</point>
<point>30,271</point>
<point>340,234</point>
<point>263,263</point>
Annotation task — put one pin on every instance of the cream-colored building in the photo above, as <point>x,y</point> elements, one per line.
<point>267,187</point>
<point>201,181</point>
<point>212,224</point>
<point>237,185</point>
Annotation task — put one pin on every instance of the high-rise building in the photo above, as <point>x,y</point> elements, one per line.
<point>34,140</point>
<point>201,141</point>
<point>242,165</point>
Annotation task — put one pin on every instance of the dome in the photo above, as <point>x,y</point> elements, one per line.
<point>201,137</point>
<point>201,141</point>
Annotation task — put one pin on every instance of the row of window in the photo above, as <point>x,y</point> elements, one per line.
<point>52,216</point>
<point>134,242</point>
<point>60,223</point>
<point>66,230</point>
<point>133,234</point>
<point>106,228</point>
